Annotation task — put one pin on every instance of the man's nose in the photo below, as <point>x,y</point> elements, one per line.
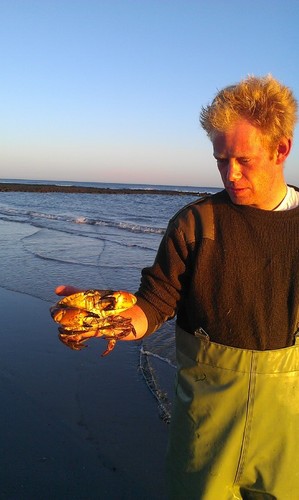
<point>233,170</point>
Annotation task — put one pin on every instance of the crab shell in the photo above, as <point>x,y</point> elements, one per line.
<point>101,303</point>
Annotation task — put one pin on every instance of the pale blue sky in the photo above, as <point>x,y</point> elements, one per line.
<point>111,90</point>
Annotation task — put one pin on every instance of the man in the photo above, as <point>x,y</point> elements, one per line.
<point>228,268</point>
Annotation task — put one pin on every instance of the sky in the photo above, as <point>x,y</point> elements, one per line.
<point>111,90</point>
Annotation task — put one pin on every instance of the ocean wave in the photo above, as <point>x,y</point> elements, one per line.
<point>134,228</point>
<point>36,218</point>
<point>157,356</point>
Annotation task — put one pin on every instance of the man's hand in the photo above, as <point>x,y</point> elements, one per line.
<point>66,290</point>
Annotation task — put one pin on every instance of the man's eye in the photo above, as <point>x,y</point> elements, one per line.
<point>244,161</point>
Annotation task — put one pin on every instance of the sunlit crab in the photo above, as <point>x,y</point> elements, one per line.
<point>93,313</point>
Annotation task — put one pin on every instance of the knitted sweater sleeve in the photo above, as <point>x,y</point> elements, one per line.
<point>163,284</point>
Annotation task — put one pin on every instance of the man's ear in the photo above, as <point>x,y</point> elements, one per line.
<point>283,150</point>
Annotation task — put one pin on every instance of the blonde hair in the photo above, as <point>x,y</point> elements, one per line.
<point>263,101</point>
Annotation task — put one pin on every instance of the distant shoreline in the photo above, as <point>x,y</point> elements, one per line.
<point>53,188</point>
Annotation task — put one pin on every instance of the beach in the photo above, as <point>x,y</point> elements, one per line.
<point>73,425</point>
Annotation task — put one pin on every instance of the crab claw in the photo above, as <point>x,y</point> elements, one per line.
<point>74,340</point>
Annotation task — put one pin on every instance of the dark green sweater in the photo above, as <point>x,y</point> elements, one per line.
<point>242,287</point>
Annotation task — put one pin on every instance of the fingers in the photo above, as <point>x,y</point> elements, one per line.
<point>66,290</point>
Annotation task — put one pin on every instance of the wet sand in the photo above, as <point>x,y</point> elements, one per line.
<point>73,425</point>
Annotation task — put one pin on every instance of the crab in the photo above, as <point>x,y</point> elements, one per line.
<point>93,313</point>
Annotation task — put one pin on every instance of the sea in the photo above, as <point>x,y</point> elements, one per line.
<point>92,241</point>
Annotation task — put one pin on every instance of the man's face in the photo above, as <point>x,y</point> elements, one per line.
<point>249,174</point>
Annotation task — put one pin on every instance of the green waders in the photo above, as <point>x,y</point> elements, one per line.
<point>235,425</point>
